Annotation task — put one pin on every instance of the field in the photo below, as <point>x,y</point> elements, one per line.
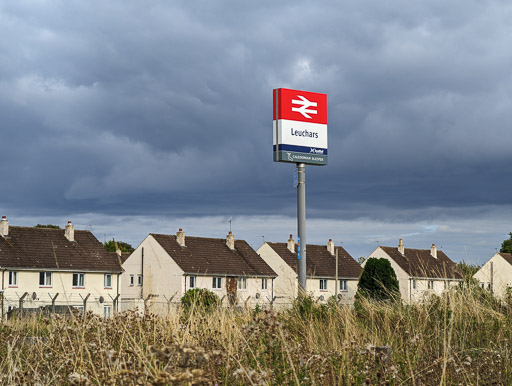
<point>461,338</point>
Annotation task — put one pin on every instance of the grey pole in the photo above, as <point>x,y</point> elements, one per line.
<point>301,223</point>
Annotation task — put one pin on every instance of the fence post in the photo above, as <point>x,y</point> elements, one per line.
<point>21,303</point>
<point>53,302</point>
<point>85,302</point>
<point>115,302</point>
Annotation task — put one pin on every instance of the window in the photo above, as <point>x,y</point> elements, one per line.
<point>45,279</point>
<point>488,286</point>
<point>78,280</point>
<point>192,282</point>
<point>414,284</point>
<point>242,283</point>
<point>323,284</point>
<point>343,285</point>
<point>431,284</point>
<point>264,284</point>
<point>217,283</point>
<point>132,280</point>
<point>13,279</point>
<point>108,280</point>
<point>106,311</point>
<point>482,285</point>
<point>139,279</point>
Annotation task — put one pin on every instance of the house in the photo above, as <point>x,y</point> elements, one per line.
<point>496,274</point>
<point>45,268</point>
<point>164,267</point>
<point>420,272</point>
<point>320,271</point>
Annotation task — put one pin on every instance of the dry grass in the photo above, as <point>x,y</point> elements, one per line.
<point>462,338</point>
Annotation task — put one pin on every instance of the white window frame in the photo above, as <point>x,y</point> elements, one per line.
<point>13,279</point>
<point>242,283</point>
<point>132,280</point>
<point>414,284</point>
<point>264,283</point>
<point>343,285</point>
<point>217,282</point>
<point>430,284</point>
<point>192,282</point>
<point>106,285</point>
<point>46,279</point>
<point>80,283</point>
<point>139,280</point>
<point>323,284</point>
<point>107,311</point>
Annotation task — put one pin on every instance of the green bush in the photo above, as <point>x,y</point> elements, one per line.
<point>378,281</point>
<point>200,298</point>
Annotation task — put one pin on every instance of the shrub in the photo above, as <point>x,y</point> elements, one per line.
<point>200,298</point>
<point>378,281</point>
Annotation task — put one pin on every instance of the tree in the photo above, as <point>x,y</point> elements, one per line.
<point>506,245</point>
<point>378,281</point>
<point>200,298</point>
<point>111,246</point>
<point>51,226</point>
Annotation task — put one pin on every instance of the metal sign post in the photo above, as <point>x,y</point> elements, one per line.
<point>300,137</point>
<point>301,224</point>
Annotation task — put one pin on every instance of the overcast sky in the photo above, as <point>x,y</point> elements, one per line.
<point>130,117</point>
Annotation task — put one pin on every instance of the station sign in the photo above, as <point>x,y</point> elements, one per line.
<point>300,127</point>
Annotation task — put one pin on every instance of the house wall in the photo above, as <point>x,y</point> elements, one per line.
<point>501,278</point>
<point>347,297</point>
<point>408,293</point>
<point>286,282</point>
<point>162,278</point>
<point>62,283</point>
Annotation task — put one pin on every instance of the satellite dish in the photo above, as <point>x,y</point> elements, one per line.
<point>340,296</point>
<point>321,298</point>
<point>34,296</point>
<point>102,299</point>
<point>258,295</point>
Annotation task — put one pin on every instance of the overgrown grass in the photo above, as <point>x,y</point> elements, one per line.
<point>461,338</point>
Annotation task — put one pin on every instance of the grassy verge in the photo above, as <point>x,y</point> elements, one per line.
<point>461,338</point>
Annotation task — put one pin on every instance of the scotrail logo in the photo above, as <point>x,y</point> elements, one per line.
<point>290,158</point>
<point>304,108</point>
<point>316,151</point>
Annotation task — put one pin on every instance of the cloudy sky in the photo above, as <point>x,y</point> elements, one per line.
<point>130,117</point>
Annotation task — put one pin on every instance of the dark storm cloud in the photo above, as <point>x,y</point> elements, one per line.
<point>158,107</point>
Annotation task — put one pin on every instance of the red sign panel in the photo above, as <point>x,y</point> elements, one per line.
<point>296,105</point>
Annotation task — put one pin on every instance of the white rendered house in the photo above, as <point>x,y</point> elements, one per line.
<point>420,272</point>
<point>320,271</point>
<point>56,270</point>
<point>496,274</point>
<point>164,267</point>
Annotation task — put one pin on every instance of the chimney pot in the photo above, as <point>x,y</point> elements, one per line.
<point>401,247</point>
<point>69,232</point>
<point>433,251</point>
<point>4,227</point>
<point>230,240</point>
<point>180,237</point>
<point>291,244</point>
<point>330,247</point>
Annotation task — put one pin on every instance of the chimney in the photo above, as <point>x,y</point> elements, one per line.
<point>330,247</point>
<point>401,247</point>
<point>180,237</point>
<point>230,240</point>
<point>291,244</point>
<point>4,227</point>
<point>433,251</point>
<point>70,232</point>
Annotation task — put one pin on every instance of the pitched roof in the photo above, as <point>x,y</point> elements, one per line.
<point>420,263</point>
<point>507,257</point>
<point>49,249</point>
<point>319,262</point>
<point>204,255</point>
